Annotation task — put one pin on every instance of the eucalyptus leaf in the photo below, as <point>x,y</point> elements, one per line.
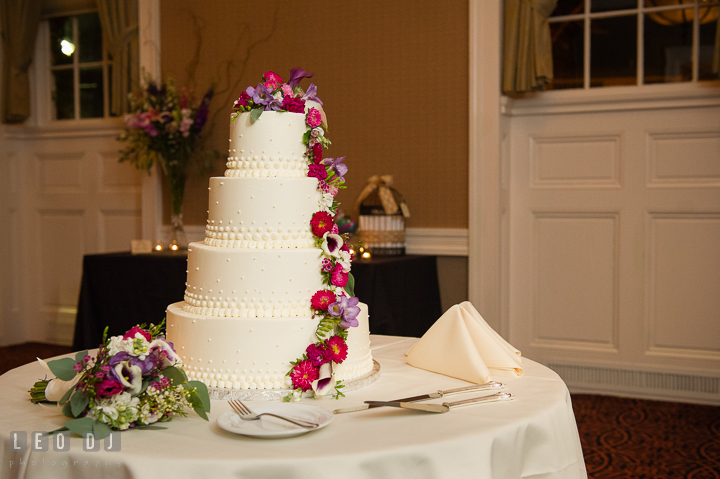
<point>350,286</point>
<point>66,396</point>
<point>151,427</point>
<point>78,403</point>
<point>255,114</point>
<point>101,430</point>
<point>67,411</point>
<point>174,375</point>
<point>81,426</point>
<point>80,356</point>
<point>202,392</point>
<point>63,368</point>
<point>145,385</point>
<point>60,429</point>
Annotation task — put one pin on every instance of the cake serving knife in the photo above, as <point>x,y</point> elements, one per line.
<point>422,397</point>
<point>446,406</point>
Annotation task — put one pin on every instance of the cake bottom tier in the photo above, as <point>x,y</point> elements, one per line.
<point>255,353</point>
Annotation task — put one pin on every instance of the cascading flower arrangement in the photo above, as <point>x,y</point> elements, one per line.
<point>336,305</point>
<point>165,127</point>
<point>135,381</point>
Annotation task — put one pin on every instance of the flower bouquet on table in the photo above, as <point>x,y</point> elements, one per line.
<point>135,381</point>
<point>335,305</point>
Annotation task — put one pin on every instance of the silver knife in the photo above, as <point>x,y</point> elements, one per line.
<point>444,407</point>
<point>435,395</point>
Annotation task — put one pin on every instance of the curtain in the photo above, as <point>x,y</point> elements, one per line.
<point>119,20</point>
<point>527,58</point>
<point>19,20</point>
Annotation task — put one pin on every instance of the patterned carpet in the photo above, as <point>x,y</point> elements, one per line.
<point>621,438</point>
<point>639,439</point>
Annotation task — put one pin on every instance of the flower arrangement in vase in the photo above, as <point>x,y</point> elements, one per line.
<point>165,127</point>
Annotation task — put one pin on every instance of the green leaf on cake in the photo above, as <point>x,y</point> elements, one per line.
<point>350,286</point>
<point>63,368</point>
<point>255,114</point>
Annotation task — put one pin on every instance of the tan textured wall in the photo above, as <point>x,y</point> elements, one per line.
<point>392,74</point>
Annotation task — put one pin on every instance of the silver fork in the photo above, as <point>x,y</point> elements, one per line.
<point>246,414</point>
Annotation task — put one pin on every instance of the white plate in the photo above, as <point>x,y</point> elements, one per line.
<point>270,427</point>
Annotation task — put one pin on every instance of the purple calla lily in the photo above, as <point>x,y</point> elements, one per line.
<point>337,166</point>
<point>297,74</point>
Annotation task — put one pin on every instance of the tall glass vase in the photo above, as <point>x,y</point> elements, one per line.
<point>176,181</point>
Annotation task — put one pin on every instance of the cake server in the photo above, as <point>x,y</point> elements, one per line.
<point>444,407</point>
<point>422,397</point>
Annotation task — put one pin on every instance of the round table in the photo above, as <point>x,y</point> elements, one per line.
<point>532,436</point>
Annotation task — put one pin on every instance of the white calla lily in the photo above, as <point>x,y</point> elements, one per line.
<point>331,244</point>
<point>325,382</point>
<point>56,388</point>
<point>130,376</point>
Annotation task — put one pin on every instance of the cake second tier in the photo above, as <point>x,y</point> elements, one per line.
<point>232,282</point>
<point>261,212</point>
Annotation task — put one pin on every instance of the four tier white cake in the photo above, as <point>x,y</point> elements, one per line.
<point>247,313</point>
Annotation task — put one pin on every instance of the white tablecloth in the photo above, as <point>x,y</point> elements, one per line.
<point>533,436</point>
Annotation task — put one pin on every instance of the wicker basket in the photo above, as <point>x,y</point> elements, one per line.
<point>381,219</point>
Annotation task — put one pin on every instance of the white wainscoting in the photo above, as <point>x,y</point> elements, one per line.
<point>614,261</point>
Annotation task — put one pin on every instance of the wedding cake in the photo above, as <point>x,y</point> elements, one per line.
<point>268,301</point>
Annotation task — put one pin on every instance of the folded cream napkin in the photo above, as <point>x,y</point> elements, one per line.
<point>462,345</point>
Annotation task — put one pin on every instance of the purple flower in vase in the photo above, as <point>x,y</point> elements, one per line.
<point>347,309</point>
<point>262,96</point>
<point>202,111</point>
<point>337,166</point>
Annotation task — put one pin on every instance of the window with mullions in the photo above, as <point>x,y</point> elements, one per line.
<point>80,67</point>
<point>599,43</point>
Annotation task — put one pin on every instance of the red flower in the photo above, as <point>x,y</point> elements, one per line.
<point>294,105</point>
<point>338,277</point>
<point>134,330</point>
<point>242,101</point>
<point>303,375</point>
<point>316,354</point>
<point>322,299</point>
<point>321,223</point>
<point>108,388</point>
<point>313,118</point>
<point>317,153</point>
<point>317,171</point>
<point>337,349</point>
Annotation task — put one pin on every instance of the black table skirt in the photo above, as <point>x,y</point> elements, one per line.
<point>120,290</point>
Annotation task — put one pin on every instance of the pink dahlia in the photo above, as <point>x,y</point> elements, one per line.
<point>272,80</point>
<point>303,375</point>
<point>287,90</point>
<point>337,349</point>
<point>313,118</point>
<point>321,223</point>
<point>322,299</point>
<point>317,171</point>
<point>317,153</point>
<point>131,334</point>
<point>294,105</point>
<point>338,277</point>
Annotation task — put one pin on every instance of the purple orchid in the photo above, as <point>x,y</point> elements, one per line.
<point>311,94</point>
<point>337,166</point>
<point>297,74</point>
<point>262,96</point>
<point>347,309</point>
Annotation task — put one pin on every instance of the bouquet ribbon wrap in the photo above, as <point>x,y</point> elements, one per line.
<point>382,184</point>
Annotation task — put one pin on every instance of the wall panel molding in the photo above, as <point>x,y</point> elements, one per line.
<point>683,159</point>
